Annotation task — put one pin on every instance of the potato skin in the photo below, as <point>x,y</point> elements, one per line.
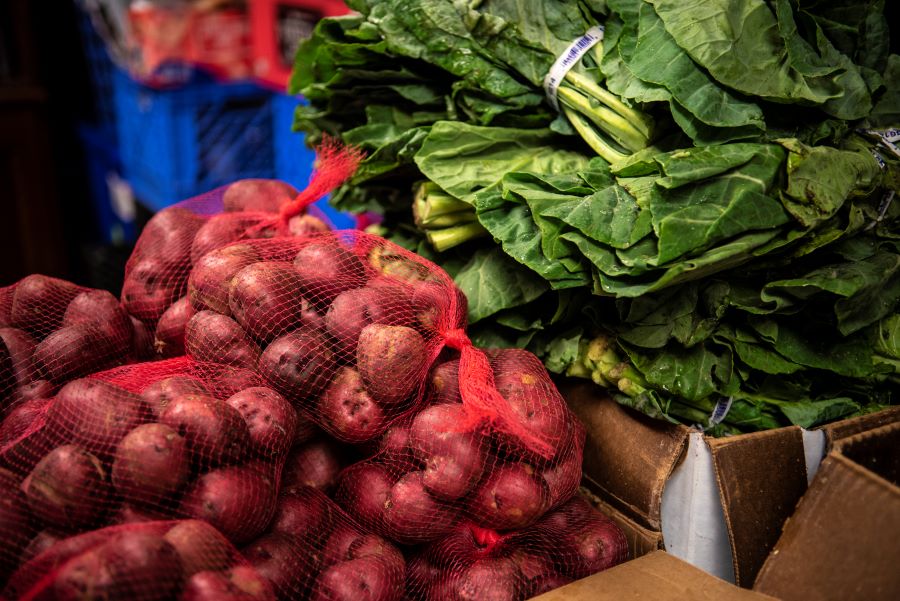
<point>214,431</point>
<point>238,500</point>
<point>67,488</point>
<point>73,352</point>
<point>103,311</point>
<point>392,362</point>
<point>315,464</point>
<point>350,312</point>
<point>151,463</point>
<point>95,414</point>
<point>199,546</point>
<point>210,279</point>
<point>412,515</point>
<point>215,338</point>
<point>285,561</point>
<point>299,364</point>
<point>15,529</point>
<point>39,303</point>
<point>20,346</point>
<point>257,195</point>
<point>168,340</point>
<point>225,229</point>
<point>265,298</point>
<point>159,394</point>
<point>348,411</point>
<point>453,460</point>
<point>512,496</point>
<point>270,419</point>
<point>151,286</point>
<point>326,270</point>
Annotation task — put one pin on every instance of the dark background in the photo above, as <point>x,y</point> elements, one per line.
<point>46,222</point>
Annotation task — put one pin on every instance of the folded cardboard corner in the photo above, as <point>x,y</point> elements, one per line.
<point>717,503</point>
<point>657,576</point>
<point>843,541</point>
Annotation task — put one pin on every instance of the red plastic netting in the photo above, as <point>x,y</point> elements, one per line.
<point>143,561</point>
<point>176,239</point>
<point>52,331</point>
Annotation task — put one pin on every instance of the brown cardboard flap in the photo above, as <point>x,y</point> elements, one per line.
<point>641,540</point>
<point>843,543</point>
<point>654,577</point>
<point>877,450</point>
<point>761,478</point>
<point>627,455</point>
<point>855,425</point>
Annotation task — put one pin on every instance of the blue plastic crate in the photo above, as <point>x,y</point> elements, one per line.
<point>100,70</point>
<point>177,143</point>
<point>111,197</point>
<point>294,161</point>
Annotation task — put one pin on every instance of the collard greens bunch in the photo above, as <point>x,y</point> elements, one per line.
<point>706,225</point>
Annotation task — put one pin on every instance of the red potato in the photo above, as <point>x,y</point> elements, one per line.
<point>15,531</point>
<point>365,579</point>
<point>168,236</point>
<point>21,347</point>
<point>158,395</point>
<point>131,514</point>
<point>512,496</point>
<point>316,464</point>
<point>412,515</point>
<point>229,381</point>
<point>7,378</point>
<point>443,383</point>
<point>211,277</point>
<point>151,463</point>
<point>353,310</point>
<point>39,303</point>
<point>363,491</point>
<point>394,446</point>
<point>488,579</point>
<point>215,432</point>
<point>35,390</point>
<point>6,298</point>
<point>590,541</point>
<point>299,365</point>
<point>141,341</point>
<point>257,195</point>
<point>270,419</point>
<point>225,229</point>
<point>242,583</point>
<point>67,488</point>
<point>306,225</point>
<point>200,547</point>
<point>327,269</point>
<point>151,286</point>
<point>24,437</point>
<point>42,541</point>
<point>392,361</point>
<point>73,352</point>
<point>219,339</point>
<point>95,414</point>
<point>130,565</point>
<point>347,543</point>
<point>523,381</point>
<point>102,310</point>
<point>265,298</point>
<point>348,411</point>
<point>238,501</point>
<point>285,561</point>
<point>563,478</point>
<point>421,574</point>
<point>303,513</point>
<point>545,584</point>
<point>168,341</point>
<point>306,428</point>
<point>453,460</point>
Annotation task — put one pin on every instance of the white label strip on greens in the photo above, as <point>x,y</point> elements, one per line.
<point>568,59</point>
<point>723,406</point>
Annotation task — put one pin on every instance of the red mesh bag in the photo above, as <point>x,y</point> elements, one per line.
<point>164,440</point>
<point>347,326</point>
<point>472,563</point>
<point>177,239</point>
<point>146,561</point>
<point>52,331</point>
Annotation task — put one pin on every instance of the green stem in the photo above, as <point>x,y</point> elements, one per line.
<point>613,124</point>
<point>449,237</point>
<point>447,220</point>
<point>594,140</point>
<point>642,122</point>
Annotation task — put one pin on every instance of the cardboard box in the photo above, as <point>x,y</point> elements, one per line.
<point>717,503</point>
<point>843,542</point>
<point>658,576</point>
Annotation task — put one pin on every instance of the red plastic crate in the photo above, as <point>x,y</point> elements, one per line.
<point>277,28</point>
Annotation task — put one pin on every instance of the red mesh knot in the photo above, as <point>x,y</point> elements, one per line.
<point>485,537</point>
<point>457,339</point>
<point>335,164</point>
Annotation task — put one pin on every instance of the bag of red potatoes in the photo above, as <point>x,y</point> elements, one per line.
<point>52,331</point>
<point>368,339</point>
<point>177,238</point>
